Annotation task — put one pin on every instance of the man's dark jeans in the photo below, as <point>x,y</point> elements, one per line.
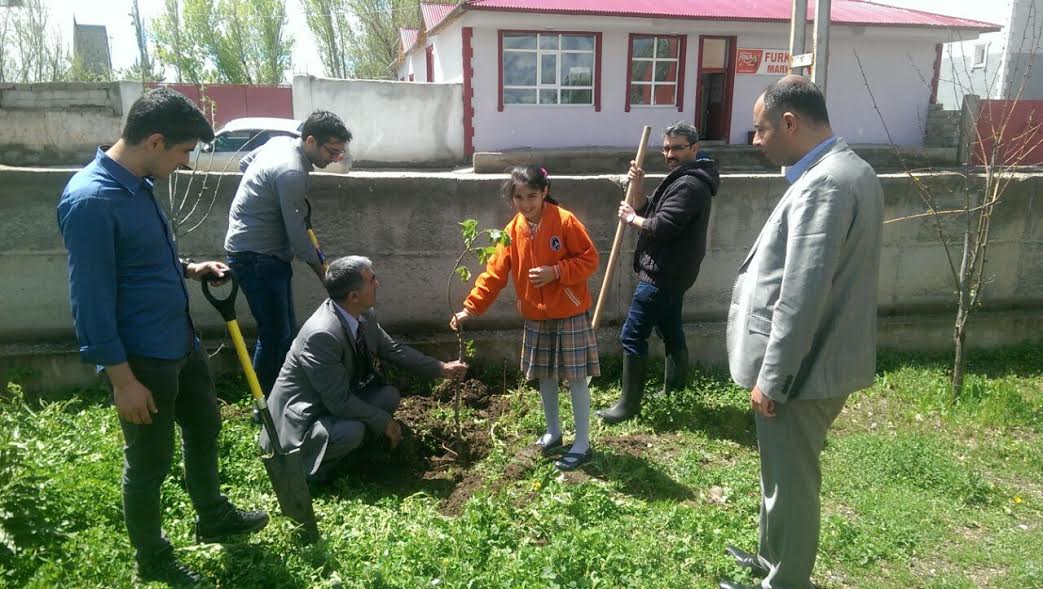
<point>266,282</point>
<point>184,394</point>
<point>653,308</point>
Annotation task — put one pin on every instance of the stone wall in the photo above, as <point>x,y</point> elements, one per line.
<point>407,223</point>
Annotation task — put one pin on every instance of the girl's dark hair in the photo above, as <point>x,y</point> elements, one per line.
<point>533,176</point>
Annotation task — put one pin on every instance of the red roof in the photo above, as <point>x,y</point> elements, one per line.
<point>434,14</point>
<point>844,12</point>
<point>408,37</point>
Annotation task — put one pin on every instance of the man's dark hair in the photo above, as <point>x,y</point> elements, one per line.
<point>324,126</point>
<point>169,113</point>
<point>344,276</point>
<point>797,95</point>
<point>683,129</point>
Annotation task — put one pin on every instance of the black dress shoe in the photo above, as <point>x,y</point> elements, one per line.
<point>745,559</point>
<point>731,585</point>
<point>233,522</point>
<point>168,570</point>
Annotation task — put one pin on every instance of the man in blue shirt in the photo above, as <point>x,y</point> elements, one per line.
<point>130,307</point>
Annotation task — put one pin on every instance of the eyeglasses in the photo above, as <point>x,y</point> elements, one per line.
<point>334,153</point>
<point>670,148</point>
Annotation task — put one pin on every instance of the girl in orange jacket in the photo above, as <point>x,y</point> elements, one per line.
<point>550,258</point>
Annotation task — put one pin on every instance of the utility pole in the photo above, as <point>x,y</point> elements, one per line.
<point>798,31</point>
<point>818,59</point>
<point>821,69</point>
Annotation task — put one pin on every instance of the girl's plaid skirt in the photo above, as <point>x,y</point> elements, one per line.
<point>560,349</point>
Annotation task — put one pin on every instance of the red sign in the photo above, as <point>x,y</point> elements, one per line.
<point>762,62</point>
<point>748,61</point>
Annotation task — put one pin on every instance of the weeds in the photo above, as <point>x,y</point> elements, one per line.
<point>916,493</point>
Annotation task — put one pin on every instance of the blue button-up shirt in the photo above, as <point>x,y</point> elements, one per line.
<point>126,288</point>
<point>797,170</point>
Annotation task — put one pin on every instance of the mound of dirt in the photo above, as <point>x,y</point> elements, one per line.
<point>432,457</point>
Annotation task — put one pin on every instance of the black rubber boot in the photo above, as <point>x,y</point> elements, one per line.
<point>675,375</point>
<point>629,403</point>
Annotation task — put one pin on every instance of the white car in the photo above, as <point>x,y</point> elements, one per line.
<point>241,136</point>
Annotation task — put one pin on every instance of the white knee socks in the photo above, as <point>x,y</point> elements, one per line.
<point>581,410</point>
<point>549,394</point>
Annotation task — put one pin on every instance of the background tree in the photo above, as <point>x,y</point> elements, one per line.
<point>175,46</point>
<point>144,67</point>
<point>359,38</point>
<point>328,21</point>
<point>230,41</point>
<point>33,50</point>
<point>962,213</point>
<point>6,32</point>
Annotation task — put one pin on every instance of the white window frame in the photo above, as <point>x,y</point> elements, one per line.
<point>984,48</point>
<point>559,52</point>
<point>654,60</point>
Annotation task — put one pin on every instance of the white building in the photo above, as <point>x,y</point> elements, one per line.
<point>995,64</point>
<point>569,73</point>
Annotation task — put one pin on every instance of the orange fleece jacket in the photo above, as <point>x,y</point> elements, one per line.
<point>561,241</point>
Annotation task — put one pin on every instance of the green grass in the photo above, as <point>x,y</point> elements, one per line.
<point>917,492</point>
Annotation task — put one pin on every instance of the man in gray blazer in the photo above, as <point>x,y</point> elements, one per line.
<point>329,395</point>
<point>802,321</point>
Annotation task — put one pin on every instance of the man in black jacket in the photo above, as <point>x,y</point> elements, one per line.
<point>671,244</point>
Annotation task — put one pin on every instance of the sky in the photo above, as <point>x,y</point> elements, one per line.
<point>115,15</point>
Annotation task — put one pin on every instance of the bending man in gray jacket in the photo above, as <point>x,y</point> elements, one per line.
<point>267,229</point>
<point>802,321</point>
<point>329,395</point>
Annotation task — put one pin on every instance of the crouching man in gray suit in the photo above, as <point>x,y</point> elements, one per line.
<point>329,395</point>
<point>802,321</point>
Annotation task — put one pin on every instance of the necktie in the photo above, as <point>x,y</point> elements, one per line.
<point>365,361</point>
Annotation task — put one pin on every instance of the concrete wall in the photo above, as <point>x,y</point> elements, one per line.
<point>894,61</point>
<point>62,122</point>
<point>392,122</point>
<point>407,224</point>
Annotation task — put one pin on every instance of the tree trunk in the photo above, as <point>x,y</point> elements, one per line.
<point>963,310</point>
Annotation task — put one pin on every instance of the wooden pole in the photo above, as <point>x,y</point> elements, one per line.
<point>614,255</point>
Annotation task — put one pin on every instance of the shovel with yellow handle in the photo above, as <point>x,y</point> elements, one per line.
<point>285,467</point>
<point>314,239</point>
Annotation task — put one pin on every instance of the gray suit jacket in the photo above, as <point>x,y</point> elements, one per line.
<point>802,321</point>
<point>318,377</point>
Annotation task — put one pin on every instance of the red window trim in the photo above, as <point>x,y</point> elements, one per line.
<point>681,62</point>
<point>597,60</point>
<point>937,73</point>
<point>630,70</point>
<point>468,54</point>
<point>729,81</point>
<point>429,58</point>
<point>682,48</point>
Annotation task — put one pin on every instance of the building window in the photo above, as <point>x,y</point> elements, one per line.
<point>548,68</point>
<point>981,52</point>
<point>654,68</point>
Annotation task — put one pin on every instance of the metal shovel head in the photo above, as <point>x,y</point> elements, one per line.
<point>286,471</point>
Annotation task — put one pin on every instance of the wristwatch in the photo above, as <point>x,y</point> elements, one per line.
<point>630,218</point>
<point>184,266</point>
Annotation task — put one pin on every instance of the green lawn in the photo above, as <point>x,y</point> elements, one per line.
<point>917,493</point>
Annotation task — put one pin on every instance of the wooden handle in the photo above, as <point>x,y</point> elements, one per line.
<point>620,226</point>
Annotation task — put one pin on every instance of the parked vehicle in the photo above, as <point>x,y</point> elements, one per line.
<point>241,136</point>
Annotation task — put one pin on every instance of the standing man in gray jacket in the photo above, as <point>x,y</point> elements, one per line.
<point>802,321</point>
<point>329,396</point>
<point>267,228</point>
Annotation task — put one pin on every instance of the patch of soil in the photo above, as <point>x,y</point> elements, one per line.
<point>432,458</point>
